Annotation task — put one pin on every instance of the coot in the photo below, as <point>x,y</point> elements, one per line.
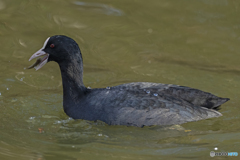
<point>132,104</point>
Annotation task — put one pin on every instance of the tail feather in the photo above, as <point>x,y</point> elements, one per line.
<point>219,102</point>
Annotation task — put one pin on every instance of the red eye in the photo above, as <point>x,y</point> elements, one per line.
<point>52,45</point>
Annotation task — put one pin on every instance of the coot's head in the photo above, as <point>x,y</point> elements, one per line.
<point>57,48</point>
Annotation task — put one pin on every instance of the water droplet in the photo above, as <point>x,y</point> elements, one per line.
<point>147,91</point>
<point>73,146</point>
<point>150,30</point>
<point>31,117</point>
<point>0,94</point>
<point>21,79</point>
<point>107,87</point>
<point>89,87</point>
<point>99,134</point>
<point>7,88</point>
<point>155,94</point>
<point>59,122</point>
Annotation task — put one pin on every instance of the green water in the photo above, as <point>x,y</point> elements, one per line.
<point>189,43</point>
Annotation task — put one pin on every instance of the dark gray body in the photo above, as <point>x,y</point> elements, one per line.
<point>134,104</point>
<point>144,104</point>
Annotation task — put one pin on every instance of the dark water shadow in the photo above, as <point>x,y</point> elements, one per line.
<point>199,65</point>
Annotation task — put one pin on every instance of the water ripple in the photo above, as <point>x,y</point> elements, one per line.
<point>99,7</point>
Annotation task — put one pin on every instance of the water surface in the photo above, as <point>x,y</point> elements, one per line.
<point>189,43</point>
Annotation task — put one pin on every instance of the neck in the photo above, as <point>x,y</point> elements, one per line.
<point>73,87</point>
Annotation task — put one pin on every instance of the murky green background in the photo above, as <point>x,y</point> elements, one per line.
<point>194,43</point>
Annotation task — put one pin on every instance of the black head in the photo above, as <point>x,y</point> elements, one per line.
<point>61,48</point>
<point>57,48</point>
